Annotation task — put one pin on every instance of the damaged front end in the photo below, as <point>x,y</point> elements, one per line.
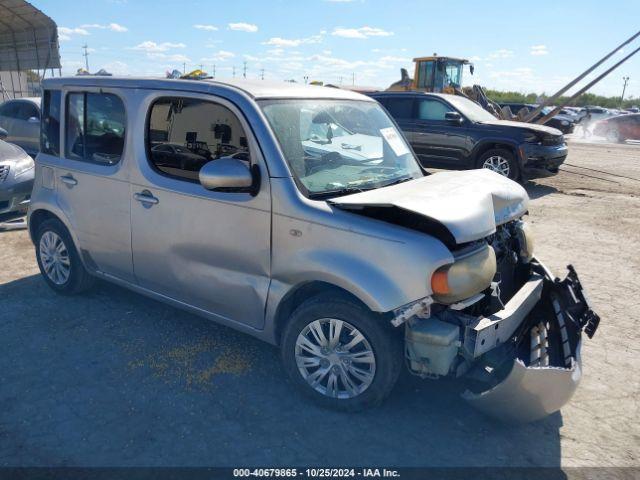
<point>516,344</point>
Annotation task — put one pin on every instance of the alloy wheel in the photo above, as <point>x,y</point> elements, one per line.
<point>54,257</point>
<point>497,164</point>
<point>335,358</point>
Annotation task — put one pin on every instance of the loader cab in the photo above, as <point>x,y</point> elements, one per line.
<point>439,74</point>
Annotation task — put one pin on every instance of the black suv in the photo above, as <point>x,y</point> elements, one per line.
<point>453,132</point>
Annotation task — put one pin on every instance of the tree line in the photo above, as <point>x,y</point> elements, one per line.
<point>582,101</point>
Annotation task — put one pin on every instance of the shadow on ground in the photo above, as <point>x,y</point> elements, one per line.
<point>538,190</point>
<point>112,378</point>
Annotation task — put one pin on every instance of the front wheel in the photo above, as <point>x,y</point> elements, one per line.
<point>501,161</point>
<point>341,354</point>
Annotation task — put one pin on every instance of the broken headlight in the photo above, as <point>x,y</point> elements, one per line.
<point>469,274</point>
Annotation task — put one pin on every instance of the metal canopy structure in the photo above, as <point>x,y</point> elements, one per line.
<point>28,38</point>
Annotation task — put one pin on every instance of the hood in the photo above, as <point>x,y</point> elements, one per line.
<point>9,151</point>
<point>529,126</point>
<point>468,204</point>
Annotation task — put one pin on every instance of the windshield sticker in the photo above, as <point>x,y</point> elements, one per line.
<point>394,141</point>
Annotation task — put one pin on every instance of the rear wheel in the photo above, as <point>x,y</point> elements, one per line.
<point>501,161</point>
<point>340,354</point>
<point>58,259</point>
<point>614,136</point>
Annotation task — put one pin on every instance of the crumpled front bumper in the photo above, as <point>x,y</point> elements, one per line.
<point>536,371</point>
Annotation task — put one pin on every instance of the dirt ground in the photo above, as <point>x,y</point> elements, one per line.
<point>112,378</point>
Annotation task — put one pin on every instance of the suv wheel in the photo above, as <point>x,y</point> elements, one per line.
<point>340,354</point>
<point>58,259</point>
<point>500,161</point>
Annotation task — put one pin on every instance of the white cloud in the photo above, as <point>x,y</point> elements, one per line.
<point>65,33</point>
<point>362,32</point>
<point>502,53</point>
<point>114,27</point>
<point>243,27</point>
<point>149,46</point>
<point>537,50</point>
<point>117,27</point>
<point>219,56</point>
<point>209,28</point>
<point>292,42</point>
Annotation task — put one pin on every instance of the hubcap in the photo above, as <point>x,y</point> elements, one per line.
<point>335,358</point>
<point>497,164</point>
<point>55,258</point>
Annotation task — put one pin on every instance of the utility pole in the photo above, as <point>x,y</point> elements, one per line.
<point>353,78</point>
<point>214,70</point>
<point>262,74</point>
<point>306,79</point>
<point>624,87</point>
<point>184,67</point>
<point>85,47</point>
<point>234,71</point>
<point>244,69</point>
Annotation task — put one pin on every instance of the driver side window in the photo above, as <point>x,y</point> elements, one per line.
<point>432,110</point>
<point>186,133</point>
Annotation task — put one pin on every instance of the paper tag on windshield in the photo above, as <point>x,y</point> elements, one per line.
<point>395,142</point>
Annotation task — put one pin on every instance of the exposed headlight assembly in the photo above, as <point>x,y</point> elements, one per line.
<point>525,239</point>
<point>467,276</point>
<point>23,165</point>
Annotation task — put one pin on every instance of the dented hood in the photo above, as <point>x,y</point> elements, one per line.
<point>470,204</point>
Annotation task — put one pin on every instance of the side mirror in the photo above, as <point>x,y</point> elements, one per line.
<point>3,134</point>
<point>33,120</point>
<point>453,117</point>
<point>226,173</point>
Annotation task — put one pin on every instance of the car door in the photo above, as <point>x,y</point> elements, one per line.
<point>437,141</point>
<point>208,249</point>
<point>92,187</point>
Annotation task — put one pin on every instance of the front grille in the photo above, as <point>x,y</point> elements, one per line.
<point>4,172</point>
<point>553,140</point>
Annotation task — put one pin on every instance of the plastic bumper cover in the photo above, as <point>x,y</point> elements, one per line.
<point>537,371</point>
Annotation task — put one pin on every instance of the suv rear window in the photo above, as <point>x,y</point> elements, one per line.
<point>95,127</point>
<point>50,129</point>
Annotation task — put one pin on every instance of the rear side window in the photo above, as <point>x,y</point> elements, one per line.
<point>50,127</point>
<point>95,128</point>
<point>185,133</point>
<point>400,107</point>
<point>10,109</point>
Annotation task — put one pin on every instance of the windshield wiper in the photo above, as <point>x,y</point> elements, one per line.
<point>397,181</point>
<point>338,192</point>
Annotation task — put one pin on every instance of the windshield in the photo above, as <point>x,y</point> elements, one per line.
<point>337,147</point>
<point>470,109</point>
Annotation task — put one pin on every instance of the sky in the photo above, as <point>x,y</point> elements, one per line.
<point>522,46</point>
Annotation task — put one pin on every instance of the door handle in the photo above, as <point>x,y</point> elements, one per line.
<point>146,197</point>
<point>69,180</point>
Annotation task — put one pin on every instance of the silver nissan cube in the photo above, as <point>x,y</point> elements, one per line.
<point>299,215</point>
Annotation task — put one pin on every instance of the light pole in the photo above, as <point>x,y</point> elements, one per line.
<point>624,87</point>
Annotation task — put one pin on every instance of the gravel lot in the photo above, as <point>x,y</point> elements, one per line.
<point>112,378</point>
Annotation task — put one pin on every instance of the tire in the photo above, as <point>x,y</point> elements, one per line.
<point>495,157</point>
<point>613,136</point>
<point>76,279</point>
<point>378,337</point>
